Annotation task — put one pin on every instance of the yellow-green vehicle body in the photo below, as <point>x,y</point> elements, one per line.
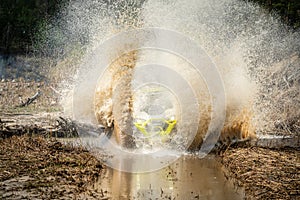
<point>162,127</point>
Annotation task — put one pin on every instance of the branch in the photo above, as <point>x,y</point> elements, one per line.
<point>31,99</point>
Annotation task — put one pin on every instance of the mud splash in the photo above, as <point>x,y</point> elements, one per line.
<point>120,72</point>
<point>256,56</point>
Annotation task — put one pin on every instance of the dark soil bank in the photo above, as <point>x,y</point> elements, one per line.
<point>35,168</point>
<point>265,173</point>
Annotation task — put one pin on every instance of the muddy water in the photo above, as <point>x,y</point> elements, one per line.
<point>187,178</point>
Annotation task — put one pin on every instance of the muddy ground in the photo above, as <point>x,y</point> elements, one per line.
<point>33,165</point>
<point>36,168</point>
<point>13,93</point>
<point>264,173</point>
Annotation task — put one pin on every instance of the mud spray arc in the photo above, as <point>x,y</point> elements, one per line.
<point>249,48</point>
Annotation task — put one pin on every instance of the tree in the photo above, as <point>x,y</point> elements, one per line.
<point>289,10</point>
<point>18,22</point>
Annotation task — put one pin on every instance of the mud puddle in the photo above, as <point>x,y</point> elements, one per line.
<point>187,178</point>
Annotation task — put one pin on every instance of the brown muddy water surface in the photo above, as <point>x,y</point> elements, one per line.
<point>187,178</point>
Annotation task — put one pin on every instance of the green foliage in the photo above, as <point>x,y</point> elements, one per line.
<point>289,10</point>
<point>19,20</point>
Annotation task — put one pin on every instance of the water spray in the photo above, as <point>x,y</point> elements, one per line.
<point>192,53</point>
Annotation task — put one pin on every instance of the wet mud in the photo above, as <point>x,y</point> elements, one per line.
<point>187,178</point>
